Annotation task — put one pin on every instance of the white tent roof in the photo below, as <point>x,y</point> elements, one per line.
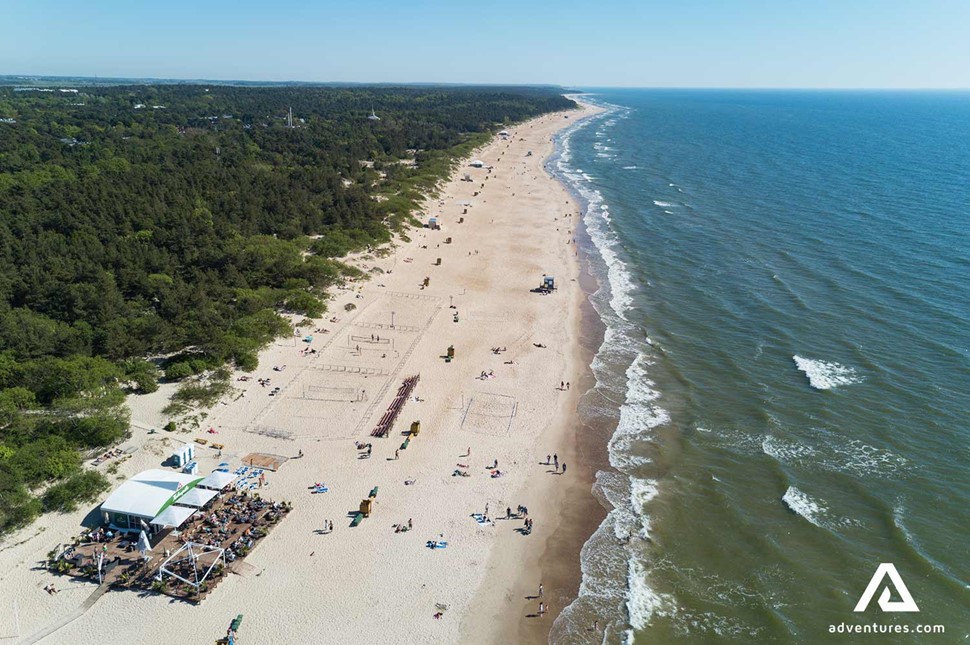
<point>173,516</point>
<point>197,497</point>
<point>147,493</point>
<point>477,162</point>
<point>218,480</point>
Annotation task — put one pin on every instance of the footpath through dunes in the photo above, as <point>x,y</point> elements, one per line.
<point>493,415</point>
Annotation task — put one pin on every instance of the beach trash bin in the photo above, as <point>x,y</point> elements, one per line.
<point>451,351</point>
<point>415,428</point>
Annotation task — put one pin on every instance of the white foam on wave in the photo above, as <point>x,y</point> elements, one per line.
<point>609,558</point>
<point>826,375</point>
<point>606,242</point>
<point>638,414</point>
<point>815,510</point>
<point>643,602</point>
<point>803,505</point>
<point>785,451</point>
<point>629,167</point>
<point>641,493</point>
<point>662,204</point>
<point>669,212</point>
<point>817,450</point>
<point>863,459</point>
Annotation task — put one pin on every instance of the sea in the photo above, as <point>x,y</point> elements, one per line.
<point>783,279</point>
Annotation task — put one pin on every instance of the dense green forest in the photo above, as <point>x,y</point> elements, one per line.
<point>181,220</point>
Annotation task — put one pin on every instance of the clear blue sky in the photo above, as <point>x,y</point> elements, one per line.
<point>693,43</point>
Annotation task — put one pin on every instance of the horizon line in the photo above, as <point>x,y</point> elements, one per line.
<point>160,80</point>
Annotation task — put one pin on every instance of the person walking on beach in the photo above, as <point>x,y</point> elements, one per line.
<point>548,459</point>
<point>331,526</point>
<point>542,608</point>
<point>540,589</point>
<point>555,461</point>
<point>508,512</point>
<point>567,385</point>
<point>564,468</point>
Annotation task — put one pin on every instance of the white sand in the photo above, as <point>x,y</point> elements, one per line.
<point>368,584</point>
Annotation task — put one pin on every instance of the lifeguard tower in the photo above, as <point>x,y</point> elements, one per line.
<point>547,286</point>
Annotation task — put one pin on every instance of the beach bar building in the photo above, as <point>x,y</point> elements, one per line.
<point>162,498</point>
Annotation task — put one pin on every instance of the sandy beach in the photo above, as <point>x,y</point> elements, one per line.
<point>485,412</point>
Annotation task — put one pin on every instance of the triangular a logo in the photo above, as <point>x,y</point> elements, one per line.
<point>887,569</point>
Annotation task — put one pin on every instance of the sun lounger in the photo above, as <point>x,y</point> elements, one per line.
<point>357,519</point>
<point>373,492</point>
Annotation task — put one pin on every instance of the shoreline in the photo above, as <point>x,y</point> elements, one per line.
<point>557,562</point>
<point>375,583</point>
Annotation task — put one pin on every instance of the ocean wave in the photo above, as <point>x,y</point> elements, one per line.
<point>802,504</point>
<point>662,204</point>
<point>641,493</point>
<point>814,510</point>
<point>785,451</point>
<point>629,167</point>
<point>643,602</point>
<point>638,414</point>
<point>861,459</point>
<point>619,277</point>
<point>820,450</point>
<point>826,375</point>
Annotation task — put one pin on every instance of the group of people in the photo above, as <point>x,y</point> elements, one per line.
<point>553,460</point>
<point>223,523</point>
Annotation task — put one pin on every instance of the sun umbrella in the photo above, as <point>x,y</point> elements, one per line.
<point>144,546</point>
